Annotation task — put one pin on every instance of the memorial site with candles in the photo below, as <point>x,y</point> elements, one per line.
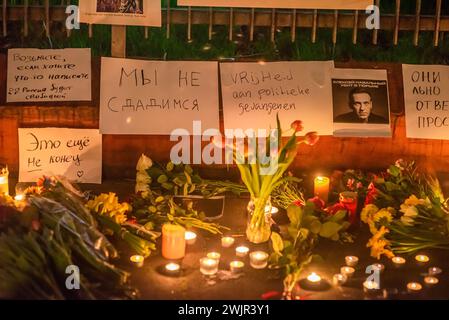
<point>192,150</point>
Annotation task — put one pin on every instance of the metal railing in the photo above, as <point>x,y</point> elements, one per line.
<point>269,18</point>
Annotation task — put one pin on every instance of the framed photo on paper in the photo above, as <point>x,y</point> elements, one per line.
<point>121,12</point>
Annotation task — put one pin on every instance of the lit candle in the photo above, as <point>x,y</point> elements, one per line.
<point>431,281</point>
<point>172,268</point>
<point>422,259</point>
<point>4,186</point>
<point>313,280</point>
<point>241,251</point>
<point>351,261</point>
<point>398,261</point>
<point>137,260</point>
<point>208,266</point>
<point>214,255</point>
<point>274,210</point>
<point>190,237</point>
<point>236,266</point>
<point>414,287</point>
<point>433,271</point>
<point>173,242</point>
<point>227,242</point>
<point>371,286</point>
<point>349,201</point>
<point>19,197</point>
<point>321,188</point>
<point>378,266</point>
<point>347,271</point>
<point>258,259</point>
<point>339,279</point>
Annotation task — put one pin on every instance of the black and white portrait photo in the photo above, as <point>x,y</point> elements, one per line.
<point>120,6</point>
<point>360,103</point>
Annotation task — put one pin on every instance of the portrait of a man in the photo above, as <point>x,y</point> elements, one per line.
<point>361,108</point>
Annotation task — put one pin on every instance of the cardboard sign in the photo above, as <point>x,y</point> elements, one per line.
<point>253,93</point>
<point>121,12</point>
<point>49,75</point>
<point>289,4</point>
<point>73,153</point>
<point>154,97</point>
<point>361,103</point>
<point>426,101</point>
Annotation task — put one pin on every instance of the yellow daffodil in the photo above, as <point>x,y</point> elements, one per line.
<point>384,216</point>
<point>368,213</point>
<point>379,245</point>
<point>108,205</point>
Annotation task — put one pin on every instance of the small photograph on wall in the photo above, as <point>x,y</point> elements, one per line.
<point>121,12</point>
<point>360,103</point>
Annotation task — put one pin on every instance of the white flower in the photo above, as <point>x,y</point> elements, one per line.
<point>144,163</point>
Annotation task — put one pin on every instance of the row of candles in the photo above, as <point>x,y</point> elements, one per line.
<point>347,271</point>
<point>175,239</point>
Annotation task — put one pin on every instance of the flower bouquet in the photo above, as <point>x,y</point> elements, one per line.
<point>261,179</point>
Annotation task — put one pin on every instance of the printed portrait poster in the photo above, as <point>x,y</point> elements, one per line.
<point>121,12</point>
<point>284,4</point>
<point>361,103</point>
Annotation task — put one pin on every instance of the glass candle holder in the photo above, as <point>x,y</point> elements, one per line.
<point>258,259</point>
<point>241,251</point>
<point>398,262</point>
<point>214,255</point>
<point>347,271</point>
<point>4,175</point>
<point>371,287</point>
<point>433,271</point>
<point>190,237</point>
<point>313,280</point>
<point>351,261</point>
<point>173,242</point>
<point>227,242</point>
<point>236,266</point>
<point>208,266</point>
<point>422,259</point>
<point>431,281</point>
<point>349,200</point>
<point>172,269</point>
<point>137,260</point>
<point>339,279</point>
<point>414,287</point>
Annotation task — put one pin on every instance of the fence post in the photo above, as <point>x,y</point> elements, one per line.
<point>118,41</point>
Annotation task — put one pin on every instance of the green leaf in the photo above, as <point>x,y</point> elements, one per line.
<point>162,178</point>
<point>294,214</point>
<point>170,166</point>
<point>394,171</point>
<point>277,243</point>
<point>329,229</point>
<point>339,216</point>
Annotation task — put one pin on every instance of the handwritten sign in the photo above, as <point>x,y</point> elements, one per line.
<point>73,153</point>
<point>49,75</point>
<point>292,4</point>
<point>253,93</point>
<point>132,13</point>
<point>426,98</point>
<point>153,97</point>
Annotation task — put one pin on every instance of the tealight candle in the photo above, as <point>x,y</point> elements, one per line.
<point>414,287</point>
<point>371,286</point>
<point>190,237</point>
<point>173,242</point>
<point>214,255</point>
<point>172,268</point>
<point>339,279</point>
<point>274,210</point>
<point>258,259</point>
<point>422,259</point>
<point>241,251</point>
<point>208,266</point>
<point>227,242</point>
<point>313,280</point>
<point>398,261</point>
<point>431,281</point>
<point>236,266</point>
<point>4,186</point>
<point>351,261</point>
<point>137,260</point>
<point>321,188</point>
<point>433,271</point>
<point>19,197</point>
<point>378,266</point>
<point>347,271</point>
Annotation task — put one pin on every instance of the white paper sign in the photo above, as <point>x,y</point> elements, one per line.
<point>49,75</point>
<point>156,97</point>
<point>361,103</point>
<point>292,4</point>
<point>73,153</point>
<point>130,12</point>
<point>426,98</point>
<point>253,93</point>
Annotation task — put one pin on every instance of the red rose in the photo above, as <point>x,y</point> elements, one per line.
<point>297,126</point>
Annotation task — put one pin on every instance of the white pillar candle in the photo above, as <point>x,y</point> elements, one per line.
<point>258,259</point>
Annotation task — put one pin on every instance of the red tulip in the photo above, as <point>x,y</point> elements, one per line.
<point>311,138</point>
<point>297,126</point>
